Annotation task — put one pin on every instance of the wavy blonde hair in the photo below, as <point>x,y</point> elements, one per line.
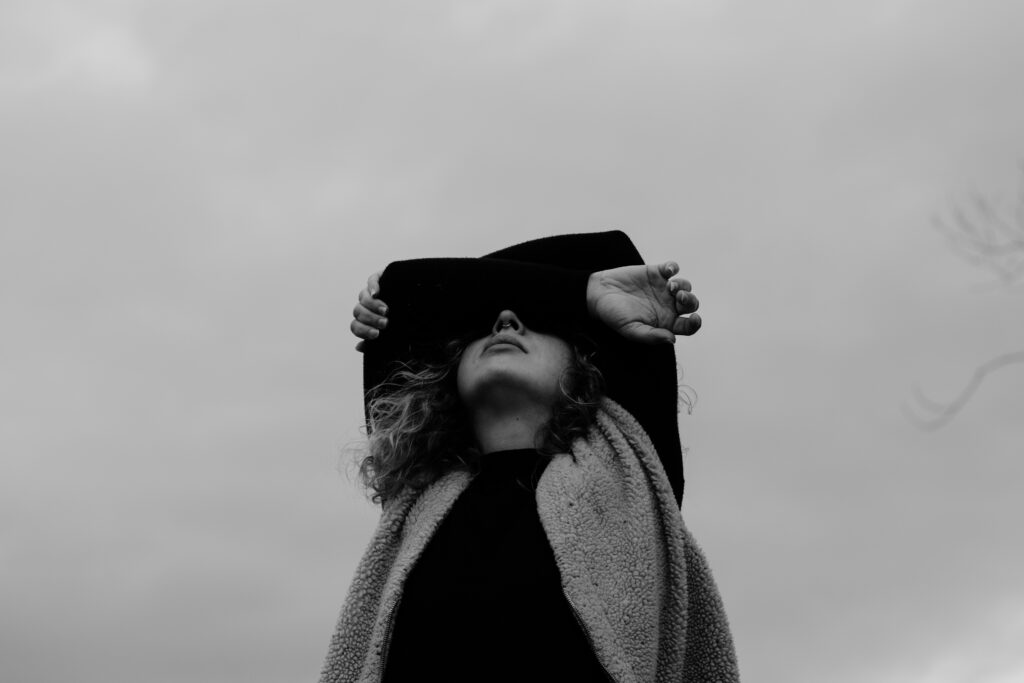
<point>419,430</point>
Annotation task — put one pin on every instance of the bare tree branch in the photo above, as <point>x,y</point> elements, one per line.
<point>944,412</point>
<point>986,235</point>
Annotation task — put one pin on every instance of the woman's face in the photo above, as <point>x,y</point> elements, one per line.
<point>513,364</point>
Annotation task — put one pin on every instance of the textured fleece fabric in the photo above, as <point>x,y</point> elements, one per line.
<point>635,576</point>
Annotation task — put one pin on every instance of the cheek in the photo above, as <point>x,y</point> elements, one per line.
<point>465,370</point>
<point>557,365</point>
<point>462,379</point>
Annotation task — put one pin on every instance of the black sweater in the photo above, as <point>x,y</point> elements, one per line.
<point>484,601</point>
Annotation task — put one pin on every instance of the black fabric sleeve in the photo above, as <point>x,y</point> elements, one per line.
<point>432,301</point>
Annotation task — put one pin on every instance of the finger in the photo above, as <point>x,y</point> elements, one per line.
<point>668,269</point>
<point>373,283</point>
<point>681,284</point>
<point>363,331</point>
<point>371,303</point>
<point>368,317</point>
<point>687,325</point>
<point>364,315</point>
<point>359,347</point>
<point>686,302</point>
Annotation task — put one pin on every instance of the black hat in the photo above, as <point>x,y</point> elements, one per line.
<point>434,300</point>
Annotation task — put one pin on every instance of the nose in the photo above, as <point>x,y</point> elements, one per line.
<point>507,320</point>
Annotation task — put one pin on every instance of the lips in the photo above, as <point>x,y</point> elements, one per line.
<point>505,339</point>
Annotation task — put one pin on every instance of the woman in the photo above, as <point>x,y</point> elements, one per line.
<point>528,531</point>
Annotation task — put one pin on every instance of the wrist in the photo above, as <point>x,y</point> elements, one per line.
<point>593,287</point>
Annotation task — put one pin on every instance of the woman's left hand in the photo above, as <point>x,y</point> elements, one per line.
<point>643,303</point>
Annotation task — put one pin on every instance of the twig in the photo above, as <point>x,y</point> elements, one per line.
<point>948,410</point>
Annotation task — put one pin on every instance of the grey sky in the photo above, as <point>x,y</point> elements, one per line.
<point>192,194</point>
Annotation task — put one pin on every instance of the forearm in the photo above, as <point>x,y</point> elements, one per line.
<point>438,299</point>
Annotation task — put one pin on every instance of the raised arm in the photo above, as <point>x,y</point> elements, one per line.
<point>632,311</point>
<point>639,302</point>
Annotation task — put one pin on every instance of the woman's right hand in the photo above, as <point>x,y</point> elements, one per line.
<point>369,315</point>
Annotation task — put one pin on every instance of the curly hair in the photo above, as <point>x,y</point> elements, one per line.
<point>419,429</point>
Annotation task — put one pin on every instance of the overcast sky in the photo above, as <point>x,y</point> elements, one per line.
<point>193,193</point>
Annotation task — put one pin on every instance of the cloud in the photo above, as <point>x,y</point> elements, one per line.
<point>53,44</point>
<point>988,652</point>
<point>179,266</point>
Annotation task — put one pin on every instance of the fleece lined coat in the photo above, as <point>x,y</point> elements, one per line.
<point>630,569</point>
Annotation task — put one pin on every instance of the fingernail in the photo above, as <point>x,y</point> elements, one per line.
<point>374,333</point>
<point>383,323</point>
<point>383,310</point>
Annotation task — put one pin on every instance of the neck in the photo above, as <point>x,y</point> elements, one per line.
<point>510,430</point>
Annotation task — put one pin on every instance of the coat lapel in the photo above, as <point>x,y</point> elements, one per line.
<point>424,517</point>
<point>612,552</point>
